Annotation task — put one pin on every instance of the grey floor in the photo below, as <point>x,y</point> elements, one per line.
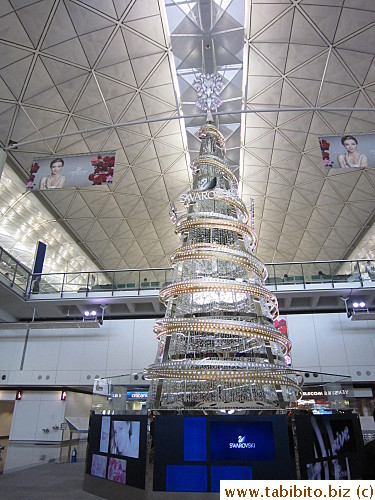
<point>51,481</point>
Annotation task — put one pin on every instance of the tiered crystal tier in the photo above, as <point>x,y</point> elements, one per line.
<point>218,346</point>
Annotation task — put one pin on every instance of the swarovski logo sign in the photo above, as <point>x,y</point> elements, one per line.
<point>241,443</point>
<point>212,194</point>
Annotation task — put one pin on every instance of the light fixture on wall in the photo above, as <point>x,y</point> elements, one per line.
<point>90,314</point>
<point>358,310</point>
<point>63,395</point>
<point>19,395</point>
<point>359,305</point>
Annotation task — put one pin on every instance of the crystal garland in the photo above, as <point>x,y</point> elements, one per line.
<point>218,346</point>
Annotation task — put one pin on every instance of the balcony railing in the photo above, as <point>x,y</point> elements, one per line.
<point>281,276</point>
<point>14,274</point>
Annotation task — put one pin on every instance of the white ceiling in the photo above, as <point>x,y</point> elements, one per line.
<point>67,66</point>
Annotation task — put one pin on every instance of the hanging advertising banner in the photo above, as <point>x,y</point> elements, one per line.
<point>62,172</point>
<point>348,151</point>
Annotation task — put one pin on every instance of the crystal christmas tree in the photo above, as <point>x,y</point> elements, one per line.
<point>218,346</point>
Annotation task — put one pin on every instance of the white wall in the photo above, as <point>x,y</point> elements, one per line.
<point>321,342</point>
<point>77,356</point>
<point>333,343</point>
<point>37,410</point>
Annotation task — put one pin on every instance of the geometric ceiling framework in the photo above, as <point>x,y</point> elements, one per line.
<point>308,54</point>
<point>68,66</point>
<point>77,65</point>
<point>208,36</point>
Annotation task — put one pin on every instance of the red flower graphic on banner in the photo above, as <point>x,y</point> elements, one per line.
<point>324,147</point>
<point>30,181</point>
<point>103,171</point>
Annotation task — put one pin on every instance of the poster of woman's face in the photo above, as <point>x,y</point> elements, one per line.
<point>61,172</point>
<point>348,151</point>
<point>125,438</point>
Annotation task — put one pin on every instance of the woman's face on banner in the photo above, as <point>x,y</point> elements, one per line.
<point>56,167</point>
<point>350,145</point>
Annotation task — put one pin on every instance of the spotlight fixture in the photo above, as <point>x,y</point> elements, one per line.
<point>19,394</point>
<point>361,304</point>
<point>91,315</point>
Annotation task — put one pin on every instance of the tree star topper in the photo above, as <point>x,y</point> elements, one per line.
<point>208,88</point>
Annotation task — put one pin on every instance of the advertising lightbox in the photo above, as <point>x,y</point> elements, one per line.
<point>62,172</point>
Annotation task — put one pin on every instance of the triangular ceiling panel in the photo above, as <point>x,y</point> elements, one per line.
<point>149,27</point>
<point>61,28</point>
<point>10,55</point>
<point>325,18</point>
<point>12,30</point>
<point>105,7</point>
<point>85,20</point>
<point>95,200</point>
<point>114,54</point>
<point>70,51</point>
<point>5,118</point>
<point>276,53</point>
<point>90,96</point>
<point>71,89</point>
<point>263,15</point>
<point>78,208</point>
<point>33,18</point>
<point>14,75</point>
<point>303,32</point>
<point>121,6</point>
<point>138,46</point>
<point>142,7</point>
<point>94,43</point>
<point>6,93</point>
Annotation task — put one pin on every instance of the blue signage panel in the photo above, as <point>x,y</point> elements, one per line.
<point>230,473</point>
<point>186,478</point>
<point>136,394</point>
<point>195,439</point>
<point>39,258</point>
<point>241,441</point>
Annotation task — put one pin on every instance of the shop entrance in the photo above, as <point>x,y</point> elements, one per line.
<point>6,415</point>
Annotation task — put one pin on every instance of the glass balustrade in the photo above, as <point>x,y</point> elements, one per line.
<point>14,273</point>
<point>281,276</point>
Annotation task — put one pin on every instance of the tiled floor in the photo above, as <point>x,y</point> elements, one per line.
<point>52,481</point>
<point>3,442</point>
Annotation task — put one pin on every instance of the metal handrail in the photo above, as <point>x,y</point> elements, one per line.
<point>113,281</point>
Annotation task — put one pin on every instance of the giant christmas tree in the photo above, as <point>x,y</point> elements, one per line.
<point>218,346</point>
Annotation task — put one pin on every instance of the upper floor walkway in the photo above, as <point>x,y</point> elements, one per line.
<point>299,287</point>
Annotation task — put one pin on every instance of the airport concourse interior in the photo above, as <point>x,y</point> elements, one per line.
<point>187,245</point>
